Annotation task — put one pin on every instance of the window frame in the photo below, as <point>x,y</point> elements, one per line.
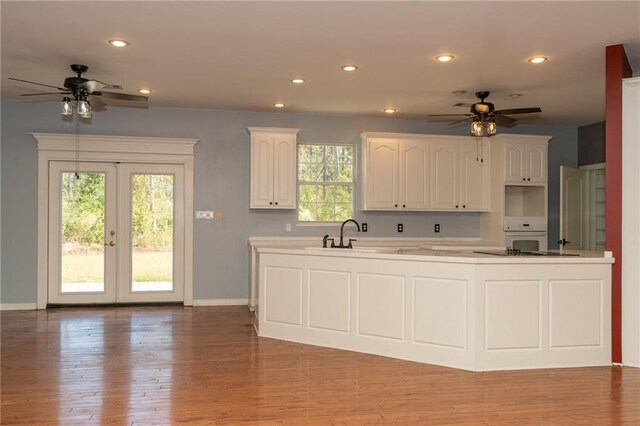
<point>354,176</point>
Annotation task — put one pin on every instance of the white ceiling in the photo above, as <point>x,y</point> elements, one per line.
<point>242,55</point>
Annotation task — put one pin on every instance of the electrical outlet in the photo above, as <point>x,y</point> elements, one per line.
<point>288,227</point>
<point>204,215</point>
<point>436,227</point>
<point>400,228</point>
<point>364,227</point>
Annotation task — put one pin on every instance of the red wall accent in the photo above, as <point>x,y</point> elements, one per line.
<point>617,68</point>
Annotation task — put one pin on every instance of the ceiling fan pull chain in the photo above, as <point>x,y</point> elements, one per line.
<point>77,146</point>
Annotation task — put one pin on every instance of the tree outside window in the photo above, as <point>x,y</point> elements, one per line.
<point>325,183</point>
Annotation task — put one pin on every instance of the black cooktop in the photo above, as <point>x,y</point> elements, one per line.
<point>516,252</point>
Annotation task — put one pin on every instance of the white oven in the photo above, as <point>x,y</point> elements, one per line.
<point>527,234</point>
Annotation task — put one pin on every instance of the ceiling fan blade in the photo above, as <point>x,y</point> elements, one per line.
<point>459,122</point>
<point>96,103</point>
<point>504,121</point>
<point>50,93</point>
<point>125,97</point>
<point>450,115</point>
<point>92,86</point>
<point>39,84</point>
<point>463,104</point>
<point>518,111</point>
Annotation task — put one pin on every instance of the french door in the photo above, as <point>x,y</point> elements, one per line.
<point>116,232</point>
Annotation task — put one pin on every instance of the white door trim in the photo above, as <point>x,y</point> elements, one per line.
<point>123,149</point>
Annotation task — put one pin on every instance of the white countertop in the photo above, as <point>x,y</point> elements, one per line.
<point>441,255</point>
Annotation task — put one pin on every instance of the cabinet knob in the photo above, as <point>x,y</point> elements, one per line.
<point>270,203</point>
<point>456,206</point>
<point>528,179</point>
<point>276,203</point>
<point>464,206</point>
<point>396,205</point>
<point>404,205</point>
<point>524,178</point>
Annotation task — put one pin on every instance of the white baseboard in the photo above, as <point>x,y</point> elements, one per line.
<point>17,306</point>
<point>220,302</point>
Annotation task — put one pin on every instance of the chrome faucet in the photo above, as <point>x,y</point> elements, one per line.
<point>349,245</point>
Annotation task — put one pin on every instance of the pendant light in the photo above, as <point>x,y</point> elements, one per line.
<point>65,106</point>
<point>84,109</point>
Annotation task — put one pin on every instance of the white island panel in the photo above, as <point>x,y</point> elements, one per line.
<point>440,312</point>
<point>283,292</point>
<point>576,313</point>
<point>381,306</point>
<point>512,315</point>
<point>329,300</point>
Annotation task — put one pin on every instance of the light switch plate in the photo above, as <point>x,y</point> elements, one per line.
<point>204,215</point>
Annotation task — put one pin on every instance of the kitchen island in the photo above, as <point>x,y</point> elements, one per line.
<point>465,310</point>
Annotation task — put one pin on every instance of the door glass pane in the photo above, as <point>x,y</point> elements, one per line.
<point>83,214</point>
<point>152,232</point>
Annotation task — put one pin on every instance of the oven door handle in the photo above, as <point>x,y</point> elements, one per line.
<point>525,233</point>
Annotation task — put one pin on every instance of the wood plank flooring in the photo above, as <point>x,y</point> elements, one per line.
<point>206,366</point>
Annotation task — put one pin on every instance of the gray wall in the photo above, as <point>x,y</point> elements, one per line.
<point>221,183</point>
<point>591,144</point>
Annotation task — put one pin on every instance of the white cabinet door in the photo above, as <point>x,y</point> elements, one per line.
<point>273,168</point>
<point>536,163</point>
<point>284,171</point>
<point>261,170</point>
<point>382,174</point>
<point>514,156</point>
<point>444,175</point>
<point>474,177</point>
<point>414,179</point>
<point>525,163</point>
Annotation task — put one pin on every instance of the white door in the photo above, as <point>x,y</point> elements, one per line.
<point>151,229</point>
<point>116,233</point>
<point>82,232</point>
<point>572,208</point>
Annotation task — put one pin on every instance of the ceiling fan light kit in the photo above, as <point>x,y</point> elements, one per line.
<point>84,92</point>
<point>485,119</point>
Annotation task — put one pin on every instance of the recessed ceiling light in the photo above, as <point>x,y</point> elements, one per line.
<point>515,95</point>
<point>444,58</point>
<point>390,110</point>
<point>349,68</point>
<point>145,91</point>
<point>459,92</point>
<point>119,43</point>
<point>538,59</point>
<point>297,80</point>
<point>279,104</point>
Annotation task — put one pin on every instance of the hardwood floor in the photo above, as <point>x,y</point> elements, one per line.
<point>175,365</point>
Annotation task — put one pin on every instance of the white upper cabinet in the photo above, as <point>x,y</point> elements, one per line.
<point>273,168</point>
<point>395,174</point>
<point>424,173</point>
<point>525,162</point>
<point>460,174</point>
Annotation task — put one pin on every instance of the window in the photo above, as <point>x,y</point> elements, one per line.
<point>325,183</point>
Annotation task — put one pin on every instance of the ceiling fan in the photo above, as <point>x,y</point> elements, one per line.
<point>85,92</point>
<point>484,116</point>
